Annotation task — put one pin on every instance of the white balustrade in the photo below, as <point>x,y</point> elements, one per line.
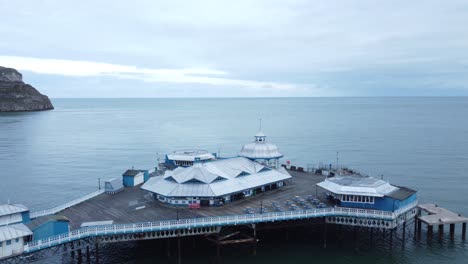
<point>212,221</point>
<point>66,205</point>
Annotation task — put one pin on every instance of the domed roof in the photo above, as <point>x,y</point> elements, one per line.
<point>260,149</point>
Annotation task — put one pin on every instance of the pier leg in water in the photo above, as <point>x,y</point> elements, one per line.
<point>391,239</point>
<point>452,231</point>
<point>87,253</point>
<point>72,246</point>
<point>168,248</point>
<point>324,233</point>
<point>404,235</point>
<point>464,231</point>
<point>255,240</point>
<point>355,230</point>
<point>430,230</point>
<point>415,227</point>
<point>179,256</point>
<point>419,229</point>
<point>218,249</point>
<point>441,232</point>
<point>97,252</point>
<point>79,251</point>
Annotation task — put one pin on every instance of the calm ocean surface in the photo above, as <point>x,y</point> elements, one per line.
<point>48,158</point>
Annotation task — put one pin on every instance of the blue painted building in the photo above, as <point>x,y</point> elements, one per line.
<point>359,191</point>
<point>133,177</point>
<point>50,225</point>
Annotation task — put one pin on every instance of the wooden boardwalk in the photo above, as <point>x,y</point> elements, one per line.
<point>134,205</point>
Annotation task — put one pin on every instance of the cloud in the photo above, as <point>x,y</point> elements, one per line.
<point>90,68</point>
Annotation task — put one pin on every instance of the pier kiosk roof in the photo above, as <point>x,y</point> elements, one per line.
<point>190,155</point>
<point>215,178</point>
<point>8,209</point>
<point>14,231</point>
<point>260,149</point>
<point>358,185</point>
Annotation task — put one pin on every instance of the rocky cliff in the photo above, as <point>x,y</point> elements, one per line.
<point>15,95</point>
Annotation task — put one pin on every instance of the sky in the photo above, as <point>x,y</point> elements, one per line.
<point>262,48</point>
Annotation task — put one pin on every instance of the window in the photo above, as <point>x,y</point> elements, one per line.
<point>17,240</point>
<point>8,242</point>
<point>1,243</point>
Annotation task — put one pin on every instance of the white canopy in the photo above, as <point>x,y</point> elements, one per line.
<point>215,178</point>
<point>357,185</point>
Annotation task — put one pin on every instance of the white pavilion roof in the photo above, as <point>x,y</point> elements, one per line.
<point>215,178</point>
<point>357,185</point>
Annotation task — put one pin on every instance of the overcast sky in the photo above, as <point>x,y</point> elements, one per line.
<point>237,48</point>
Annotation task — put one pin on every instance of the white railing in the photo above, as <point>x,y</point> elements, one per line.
<point>207,221</point>
<point>66,205</point>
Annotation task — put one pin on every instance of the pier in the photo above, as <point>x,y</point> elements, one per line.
<point>136,215</point>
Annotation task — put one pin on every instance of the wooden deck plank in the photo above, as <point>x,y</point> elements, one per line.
<point>121,207</point>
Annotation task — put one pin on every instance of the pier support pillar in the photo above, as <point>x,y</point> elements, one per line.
<point>371,235</point>
<point>441,232</point>
<point>391,239</point>
<point>168,247</point>
<point>255,240</point>
<point>415,227</point>
<point>324,233</point>
<point>430,231</point>
<point>419,229</point>
<point>79,251</point>
<point>355,230</point>
<point>404,235</point>
<point>88,257</point>
<point>72,246</point>
<point>179,256</point>
<point>452,231</point>
<point>218,248</point>
<point>97,252</point>
<point>464,231</point>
